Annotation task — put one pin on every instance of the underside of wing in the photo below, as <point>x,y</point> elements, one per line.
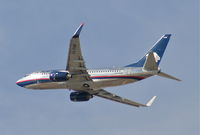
<point>107,95</point>
<point>76,64</point>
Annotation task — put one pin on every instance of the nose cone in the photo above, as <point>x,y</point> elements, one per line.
<point>19,83</point>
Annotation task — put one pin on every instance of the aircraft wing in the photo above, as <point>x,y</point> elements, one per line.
<point>76,64</point>
<point>107,95</point>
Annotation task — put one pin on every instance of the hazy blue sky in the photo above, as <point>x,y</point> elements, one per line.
<point>34,35</point>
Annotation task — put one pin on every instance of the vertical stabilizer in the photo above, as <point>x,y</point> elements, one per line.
<point>158,50</point>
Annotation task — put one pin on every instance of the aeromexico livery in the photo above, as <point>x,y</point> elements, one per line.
<point>89,83</point>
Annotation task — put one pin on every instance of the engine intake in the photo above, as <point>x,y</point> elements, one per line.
<point>80,96</point>
<point>59,76</point>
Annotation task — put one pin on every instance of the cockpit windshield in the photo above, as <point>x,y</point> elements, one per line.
<point>26,75</point>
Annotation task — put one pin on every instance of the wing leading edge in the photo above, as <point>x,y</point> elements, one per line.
<point>107,95</point>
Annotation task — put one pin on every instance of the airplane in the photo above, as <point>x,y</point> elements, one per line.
<point>87,83</point>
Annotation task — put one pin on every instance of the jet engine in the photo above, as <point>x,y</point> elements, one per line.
<point>80,96</point>
<point>59,76</point>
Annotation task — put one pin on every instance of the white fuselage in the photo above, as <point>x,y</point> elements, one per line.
<point>101,78</point>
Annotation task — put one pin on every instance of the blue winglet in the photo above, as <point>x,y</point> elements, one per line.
<point>78,31</point>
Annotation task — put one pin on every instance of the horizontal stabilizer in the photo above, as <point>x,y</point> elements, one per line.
<point>168,76</point>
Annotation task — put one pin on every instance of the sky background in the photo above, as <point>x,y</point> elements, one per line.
<point>34,36</point>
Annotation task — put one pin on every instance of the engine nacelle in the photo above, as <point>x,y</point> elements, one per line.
<point>80,96</point>
<point>59,76</point>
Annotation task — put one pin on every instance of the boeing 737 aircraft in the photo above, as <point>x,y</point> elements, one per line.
<point>88,83</point>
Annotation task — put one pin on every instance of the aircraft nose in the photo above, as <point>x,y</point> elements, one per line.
<point>19,83</point>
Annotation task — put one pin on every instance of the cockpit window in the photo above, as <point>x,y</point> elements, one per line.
<point>26,75</point>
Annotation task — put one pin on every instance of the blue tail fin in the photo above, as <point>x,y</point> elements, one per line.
<point>158,50</point>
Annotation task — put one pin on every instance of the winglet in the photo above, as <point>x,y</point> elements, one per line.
<point>78,31</point>
<point>151,101</point>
